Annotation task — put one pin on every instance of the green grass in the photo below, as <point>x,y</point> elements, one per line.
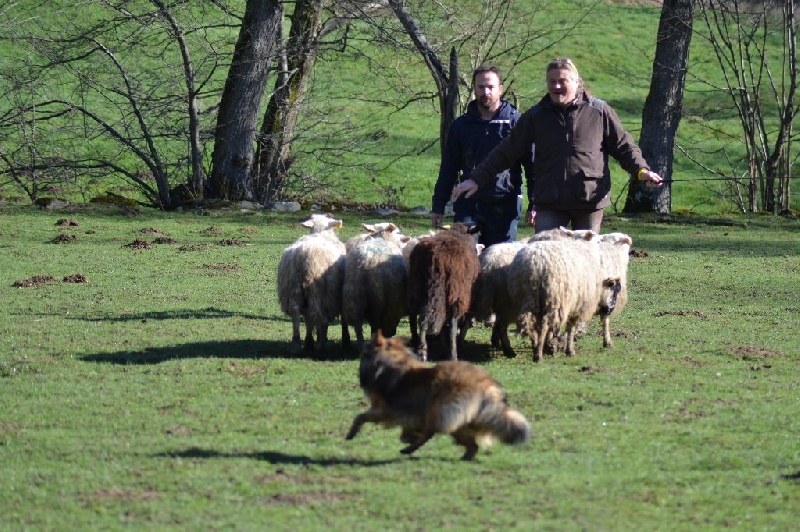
<point>161,395</point>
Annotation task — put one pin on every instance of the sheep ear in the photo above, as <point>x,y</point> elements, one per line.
<point>405,239</point>
<point>308,223</point>
<point>369,228</point>
<point>391,227</point>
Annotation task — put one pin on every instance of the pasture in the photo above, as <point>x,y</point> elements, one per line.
<point>145,383</point>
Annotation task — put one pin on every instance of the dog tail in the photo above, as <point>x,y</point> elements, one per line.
<point>504,423</point>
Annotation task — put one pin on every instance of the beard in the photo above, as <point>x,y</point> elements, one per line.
<point>487,103</point>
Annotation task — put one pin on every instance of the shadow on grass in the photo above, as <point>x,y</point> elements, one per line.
<point>209,313</point>
<point>240,349</point>
<point>273,457</point>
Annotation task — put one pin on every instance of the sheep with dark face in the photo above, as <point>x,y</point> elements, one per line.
<point>310,278</point>
<point>375,282</point>
<point>442,269</point>
<point>614,258</point>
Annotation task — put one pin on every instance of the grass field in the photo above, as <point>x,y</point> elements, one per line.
<point>159,393</point>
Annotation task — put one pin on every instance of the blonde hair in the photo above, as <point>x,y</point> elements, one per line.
<point>565,63</point>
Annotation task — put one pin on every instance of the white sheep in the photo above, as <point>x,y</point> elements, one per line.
<point>559,285</point>
<point>369,231</point>
<point>614,258</point>
<point>375,284</point>
<point>310,277</point>
<point>490,295</point>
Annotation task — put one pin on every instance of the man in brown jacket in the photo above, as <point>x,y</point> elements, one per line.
<point>571,135</point>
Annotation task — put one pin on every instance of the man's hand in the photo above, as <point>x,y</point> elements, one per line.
<point>531,218</point>
<point>651,179</point>
<point>466,188</point>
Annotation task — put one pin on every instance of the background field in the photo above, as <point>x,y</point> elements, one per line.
<point>159,394</point>
<point>380,102</point>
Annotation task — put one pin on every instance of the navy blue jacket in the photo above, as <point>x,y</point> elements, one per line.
<point>469,141</point>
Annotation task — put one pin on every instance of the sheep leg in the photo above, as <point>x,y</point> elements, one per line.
<point>496,340</point>
<point>296,346</point>
<point>422,351</point>
<point>359,328</point>
<point>345,335</point>
<point>412,324</point>
<point>543,335</point>
<point>308,343</point>
<point>322,337</point>
<point>605,320</point>
<point>454,337</point>
<point>501,329</point>
<point>571,330</point>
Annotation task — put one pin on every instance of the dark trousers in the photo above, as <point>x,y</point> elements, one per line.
<point>546,220</point>
<point>498,221</point>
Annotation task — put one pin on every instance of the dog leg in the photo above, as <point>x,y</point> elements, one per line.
<point>467,440</point>
<point>358,422</point>
<point>422,440</point>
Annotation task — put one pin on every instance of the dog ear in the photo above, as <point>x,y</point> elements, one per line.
<point>378,338</point>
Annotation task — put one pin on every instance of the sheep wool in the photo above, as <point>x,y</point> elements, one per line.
<point>375,284</point>
<point>310,279</point>
<point>558,283</point>
<point>442,269</point>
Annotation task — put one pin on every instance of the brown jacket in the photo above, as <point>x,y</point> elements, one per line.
<point>570,149</point>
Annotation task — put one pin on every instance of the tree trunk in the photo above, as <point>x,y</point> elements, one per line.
<point>662,109</point>
<point>435,66</point>
<point>280,121</point>
<point>235,132</point>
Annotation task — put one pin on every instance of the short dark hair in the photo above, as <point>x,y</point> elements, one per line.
<point>484,69</point>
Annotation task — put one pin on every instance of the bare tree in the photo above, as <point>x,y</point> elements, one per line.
<point>756,48</point>
<point>663,107</point>
<point>113,106</point>
<point>235,133</point>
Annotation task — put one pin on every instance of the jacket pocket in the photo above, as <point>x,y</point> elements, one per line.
<point>592,189</point>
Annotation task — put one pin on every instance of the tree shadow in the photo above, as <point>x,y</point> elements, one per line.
<point>240,349</point>
<point>273,457</point>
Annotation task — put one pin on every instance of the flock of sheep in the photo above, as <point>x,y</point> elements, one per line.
<point>547,285</point>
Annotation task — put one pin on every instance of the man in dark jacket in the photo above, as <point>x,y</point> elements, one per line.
<point>570,135</point>
<point>495,208</point>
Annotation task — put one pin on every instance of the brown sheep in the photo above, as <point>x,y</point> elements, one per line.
<point>442,270</point>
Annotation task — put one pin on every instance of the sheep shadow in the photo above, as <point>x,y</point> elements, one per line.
<point>273,457</point>
<point>238,349</point>
<point>204,313</point>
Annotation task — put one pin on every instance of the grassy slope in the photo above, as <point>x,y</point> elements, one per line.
<point>161,394</point>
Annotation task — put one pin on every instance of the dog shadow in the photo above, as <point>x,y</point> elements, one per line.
<point>237,349</point>
<point>274,457</point>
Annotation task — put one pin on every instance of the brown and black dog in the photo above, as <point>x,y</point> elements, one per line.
<point>452,397</point>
